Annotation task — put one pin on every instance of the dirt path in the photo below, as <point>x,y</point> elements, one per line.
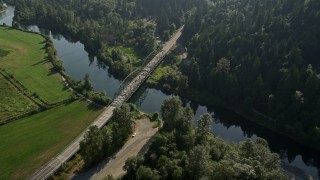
<point>134,146</point>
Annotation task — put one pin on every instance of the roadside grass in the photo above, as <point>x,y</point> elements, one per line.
<point>12,102</point>
<point>29,143</point>
<point>28,63</point>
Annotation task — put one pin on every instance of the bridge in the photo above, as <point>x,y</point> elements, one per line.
<point>126,91</point>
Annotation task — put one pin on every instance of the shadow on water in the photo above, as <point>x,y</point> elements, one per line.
<point>298,161</point>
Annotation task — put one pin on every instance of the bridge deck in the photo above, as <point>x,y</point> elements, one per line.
<point>55,163</point>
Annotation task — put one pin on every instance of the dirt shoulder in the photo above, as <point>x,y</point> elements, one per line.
<point>134,146</point>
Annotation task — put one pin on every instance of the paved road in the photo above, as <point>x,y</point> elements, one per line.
<point>55,163</point>
<point>133,147</point>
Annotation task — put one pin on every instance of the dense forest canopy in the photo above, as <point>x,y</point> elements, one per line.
<point>106,23</point>
<point>181,151</point>
<point>261,57</point>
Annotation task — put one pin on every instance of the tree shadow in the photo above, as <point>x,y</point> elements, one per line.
<point>65,87</point>
<point>93,107</point>
<point>146,146</point>
<point>43,42</point>
<point>85,174</point>
<point>52,71</point>
<point>44,61</point>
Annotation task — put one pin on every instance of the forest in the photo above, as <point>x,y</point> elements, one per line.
<point>260,57</point>
<point>106,23</point>
<point>181,151</point>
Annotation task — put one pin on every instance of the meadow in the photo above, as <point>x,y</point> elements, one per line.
<point>29,143</point>
<point>12,102</point>
<point>24,56</point>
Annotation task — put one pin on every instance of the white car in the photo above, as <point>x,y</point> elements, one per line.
<point>134,134</point>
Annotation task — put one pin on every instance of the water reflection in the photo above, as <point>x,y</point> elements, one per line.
<point>298,161</point>
<point>7,16</point>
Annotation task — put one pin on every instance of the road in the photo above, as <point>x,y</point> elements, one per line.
<point>133,147</point>
<point>129,90</point>
<point>55,163</point>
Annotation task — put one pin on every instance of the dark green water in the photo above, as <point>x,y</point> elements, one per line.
<point>298,161</point>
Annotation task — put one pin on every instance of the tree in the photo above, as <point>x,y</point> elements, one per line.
<point>87,85</point>
<point>194,74</point>
<point>186,120</point>
<point>123,119</point>
<point>91,148</point>
<point>204,128</point>
<point>199,163</point>
<point>171,110</point>
<point>130,167</point>
<point>146,173</point>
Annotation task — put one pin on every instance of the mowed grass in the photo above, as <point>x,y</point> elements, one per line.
<point>27,62</point>
<point>12,102</point>
<point>29,143</point>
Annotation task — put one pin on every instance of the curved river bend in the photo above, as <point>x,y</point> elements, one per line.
<point>298,161</point>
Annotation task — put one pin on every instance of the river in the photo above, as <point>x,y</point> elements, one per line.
<point>299,162</point>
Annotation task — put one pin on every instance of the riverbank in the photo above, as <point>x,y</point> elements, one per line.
<point>205,98</point>
<point>227,125</point>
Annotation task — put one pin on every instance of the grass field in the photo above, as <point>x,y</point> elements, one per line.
<point>29,143</point>
<point>23,55</point>
<point>12,102</point>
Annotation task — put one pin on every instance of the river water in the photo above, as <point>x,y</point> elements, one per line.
<point>298,161</point>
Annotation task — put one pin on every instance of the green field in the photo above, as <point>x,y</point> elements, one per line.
<point>29,143</point>
<point>12,102</point>
<point>23,55</point>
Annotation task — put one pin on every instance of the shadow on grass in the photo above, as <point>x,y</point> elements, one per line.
<point>65,88</point>
<point>44,61</point>
<point>52,71</point>
<point>93,107</point>
<point>43,42</point>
